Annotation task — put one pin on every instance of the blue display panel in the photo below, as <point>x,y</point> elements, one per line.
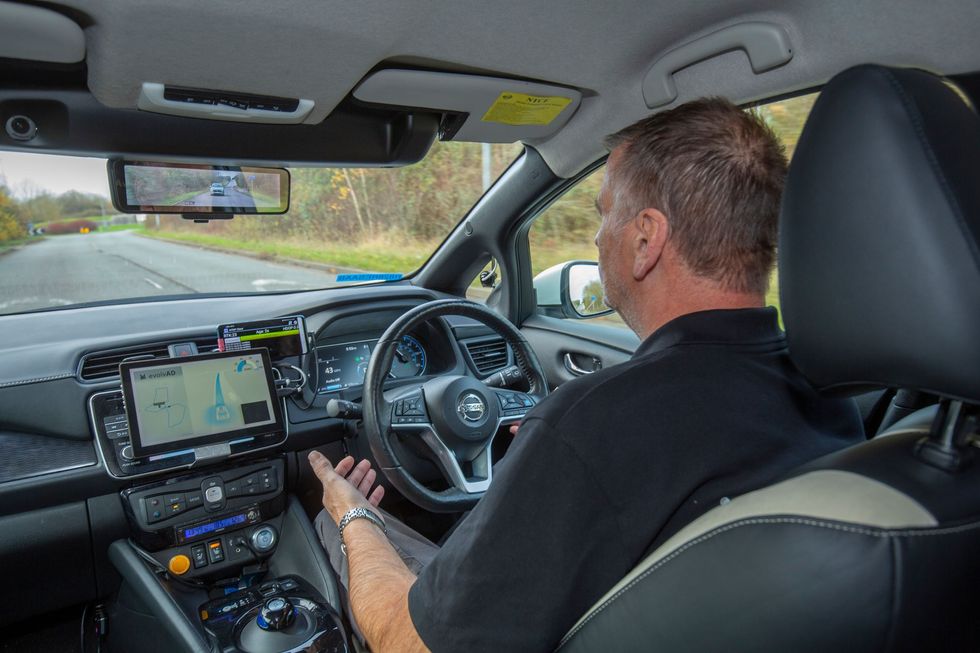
<point>211,527</point>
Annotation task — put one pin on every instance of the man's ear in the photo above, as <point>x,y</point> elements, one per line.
<point>650,239</point>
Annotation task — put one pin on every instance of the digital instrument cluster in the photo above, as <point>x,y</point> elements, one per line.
<point>344,365</point>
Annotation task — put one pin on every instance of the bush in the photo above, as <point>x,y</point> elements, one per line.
<point>10,228</point>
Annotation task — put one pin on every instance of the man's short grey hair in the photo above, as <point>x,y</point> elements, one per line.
<point>717,173</point>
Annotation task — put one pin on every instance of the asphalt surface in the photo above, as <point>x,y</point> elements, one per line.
<point>64,270</point>
<point>232,197</point>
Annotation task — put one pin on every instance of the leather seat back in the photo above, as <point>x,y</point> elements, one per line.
<point>852,553</point>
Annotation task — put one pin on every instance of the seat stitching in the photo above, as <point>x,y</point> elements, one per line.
<point>772,520</point>
<point>41,379</point>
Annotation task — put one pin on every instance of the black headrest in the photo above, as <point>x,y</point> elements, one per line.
<point>879,248</point>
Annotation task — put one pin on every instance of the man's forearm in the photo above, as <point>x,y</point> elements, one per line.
<point>379,584</point>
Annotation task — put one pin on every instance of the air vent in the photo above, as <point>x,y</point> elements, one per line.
<point>488,354</point>
<point>104,365</point>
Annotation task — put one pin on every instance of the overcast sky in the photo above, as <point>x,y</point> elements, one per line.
<point>55,174</point>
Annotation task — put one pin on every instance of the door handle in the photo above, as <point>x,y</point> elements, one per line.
<point>572,367</point>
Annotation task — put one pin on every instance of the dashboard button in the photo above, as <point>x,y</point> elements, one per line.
<point>194,500</point>
<point>179,564</point>
<point>213,488</point>
<point>233,489</point>
<point>175,508</point>
<point>153,515</point>
<point>154,509</point>
<point>174,498</point>
<point>216,551</point>
<point>200,556</point>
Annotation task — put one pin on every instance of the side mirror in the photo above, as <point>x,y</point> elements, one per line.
<point>571,290</point>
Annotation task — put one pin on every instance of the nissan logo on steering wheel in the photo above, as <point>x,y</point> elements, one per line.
<point>471,407</point>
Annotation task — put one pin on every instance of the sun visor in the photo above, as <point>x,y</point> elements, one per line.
<point>38,34</point>
<point>483,109</point>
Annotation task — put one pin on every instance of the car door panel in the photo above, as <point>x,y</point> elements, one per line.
<point>564,345</point>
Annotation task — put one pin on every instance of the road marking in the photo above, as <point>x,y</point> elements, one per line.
<point>260,284</point>
<point>153,283</point>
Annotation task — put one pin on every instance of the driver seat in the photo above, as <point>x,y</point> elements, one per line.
<point>876,547</point>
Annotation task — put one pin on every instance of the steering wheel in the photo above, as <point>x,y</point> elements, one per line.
<point>455,416</point>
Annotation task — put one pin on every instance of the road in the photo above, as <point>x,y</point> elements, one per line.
<point>232,197</point>
<point>63,270</point>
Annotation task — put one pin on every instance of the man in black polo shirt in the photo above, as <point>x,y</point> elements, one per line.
<point>709,407</point>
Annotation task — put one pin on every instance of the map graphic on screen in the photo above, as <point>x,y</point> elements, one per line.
<point>192,399</point>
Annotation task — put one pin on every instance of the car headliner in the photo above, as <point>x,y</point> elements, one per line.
<point>321,49</point>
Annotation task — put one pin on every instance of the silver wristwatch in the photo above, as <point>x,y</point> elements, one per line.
<point>358,513</point>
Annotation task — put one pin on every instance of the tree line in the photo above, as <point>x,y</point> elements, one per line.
<point>418,203</point>
<point>415,205</point>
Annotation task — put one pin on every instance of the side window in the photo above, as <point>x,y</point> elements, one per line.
<point>786,118</point>
<point>565,231</point>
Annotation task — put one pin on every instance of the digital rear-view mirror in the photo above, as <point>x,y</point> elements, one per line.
<point>198,189</point>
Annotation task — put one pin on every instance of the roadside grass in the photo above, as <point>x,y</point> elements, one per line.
<point>17,242</point>
<point>383,255</point>
<point>376,255</point>
<point>121,227</point>
<point>177,199</point>
<point>263,198</point>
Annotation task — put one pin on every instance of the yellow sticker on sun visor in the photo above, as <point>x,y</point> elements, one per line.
<point>520,109</point>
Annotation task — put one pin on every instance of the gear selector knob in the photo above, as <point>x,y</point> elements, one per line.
<point>276,614</point>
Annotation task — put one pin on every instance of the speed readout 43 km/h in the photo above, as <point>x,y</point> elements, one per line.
<point>344,365</point>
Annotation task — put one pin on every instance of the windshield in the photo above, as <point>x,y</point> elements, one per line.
<point>62,243</point>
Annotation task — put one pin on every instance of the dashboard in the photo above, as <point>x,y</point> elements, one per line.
<point>66,453</point>
<point>59,387</point>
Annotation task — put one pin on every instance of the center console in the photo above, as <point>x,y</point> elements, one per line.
<point>207,523</point>
<point>220,558</point>
<point>284,614</point>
